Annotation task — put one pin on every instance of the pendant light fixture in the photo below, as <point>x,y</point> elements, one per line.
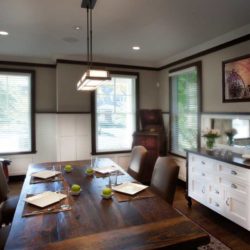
<point>92,78</point>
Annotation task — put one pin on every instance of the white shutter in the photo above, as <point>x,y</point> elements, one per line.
<point>184,111</point>
<point>15,112</point>
<point>115,114</point>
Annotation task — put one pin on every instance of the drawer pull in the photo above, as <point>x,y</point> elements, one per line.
<point>233,186</point>
<point>203,190</point>
<point>217,204</point>
<point>203,174</point>
<point>234,172</point>
<point>203,162</point>
<point>217,192</point>
<point>227,201</point>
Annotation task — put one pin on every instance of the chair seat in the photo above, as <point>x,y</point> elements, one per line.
<point>4,233</point>
<point>8,209</point>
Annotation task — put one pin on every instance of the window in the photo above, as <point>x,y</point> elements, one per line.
<point>242,127</point>
<point>185,108</point>
<point>115,114</point>
<point>16,111</point>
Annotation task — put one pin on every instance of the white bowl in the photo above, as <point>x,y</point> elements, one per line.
<point>88,174</point>
<point>75,193</point>
<point>107,196</point>
<point>68,171</point>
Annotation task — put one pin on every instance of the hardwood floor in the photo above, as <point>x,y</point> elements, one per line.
<point>221,228</point>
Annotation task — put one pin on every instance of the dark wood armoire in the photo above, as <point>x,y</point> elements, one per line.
<point>152,136</point>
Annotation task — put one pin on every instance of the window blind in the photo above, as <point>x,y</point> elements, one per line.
<point>184,111</point>
<point>15,112</point>
<point>115,114</point>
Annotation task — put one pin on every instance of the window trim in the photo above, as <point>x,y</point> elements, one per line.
<point>198,66</point>
<point>93,112</point>
<point>32,116</point>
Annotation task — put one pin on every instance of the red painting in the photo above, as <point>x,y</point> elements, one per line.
<point>236,79</point>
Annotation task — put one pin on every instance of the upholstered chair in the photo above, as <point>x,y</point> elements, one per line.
<point>136,166</point>
<point>8,205</point>
<point>4,233</point>
<point>164,178</point>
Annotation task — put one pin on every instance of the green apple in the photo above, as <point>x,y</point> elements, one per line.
<point>68,168</point>
<point>107,191</point>
<point>75,188</point>
<point>89,171</point>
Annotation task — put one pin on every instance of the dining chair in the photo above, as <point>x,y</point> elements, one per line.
<point>136,166</point>
<point>164,178</point>
<point>4,233</point>
<point>8,205</point>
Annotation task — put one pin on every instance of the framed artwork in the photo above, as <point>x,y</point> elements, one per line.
<point>236,79</point>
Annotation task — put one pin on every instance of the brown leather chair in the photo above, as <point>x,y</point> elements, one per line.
<point>164,178</point>
<point>8,205</point>
<point>4,233</point>
<point>135,168</point>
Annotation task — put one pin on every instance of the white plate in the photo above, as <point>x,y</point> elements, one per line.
<point>106,170</point>
<point>246,156</point>
<point>129,188</point>
<point>45,174</point>
<point>45,199</point>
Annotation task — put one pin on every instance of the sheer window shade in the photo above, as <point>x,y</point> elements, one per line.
<point>115,114</point>
<point>184,110</point>
<point>15,112</point>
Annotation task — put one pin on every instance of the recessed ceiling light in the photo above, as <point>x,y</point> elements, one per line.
<point>4,33</point>
<point>136,48</point>
<point>77,27</point>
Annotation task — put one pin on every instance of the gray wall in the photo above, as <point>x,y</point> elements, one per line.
<point>69,99</point>
<point>212,81</point>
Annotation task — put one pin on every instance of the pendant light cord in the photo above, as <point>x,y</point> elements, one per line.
<point>89,37</point>
<point>91,54</point>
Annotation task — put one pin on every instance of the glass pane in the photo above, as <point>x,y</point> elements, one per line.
<point>115,115</point>
<point>15,113</point>
<point>106,89</point>
<point>124,86</point>
<point>105,103</point>
<point>184,112</point>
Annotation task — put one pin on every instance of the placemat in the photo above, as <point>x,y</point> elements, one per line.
<point>120,197</point>
<point>61,206</point>
<point>35,180</point>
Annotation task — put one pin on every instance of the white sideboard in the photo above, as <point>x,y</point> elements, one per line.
<point>222,186</point>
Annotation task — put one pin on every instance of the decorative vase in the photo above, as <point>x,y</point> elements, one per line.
<point>230,140</point>
<point>210,143</point>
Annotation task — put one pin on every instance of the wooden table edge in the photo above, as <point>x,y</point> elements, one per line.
<point>156,235</point>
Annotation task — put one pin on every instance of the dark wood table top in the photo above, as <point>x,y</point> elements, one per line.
<point>95,223</point>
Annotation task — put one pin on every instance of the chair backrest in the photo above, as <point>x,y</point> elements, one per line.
<point>3,185</point>
<point>164,178</point>
<point>138,156</point>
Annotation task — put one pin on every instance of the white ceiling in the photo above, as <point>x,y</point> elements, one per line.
<point>163,28</point>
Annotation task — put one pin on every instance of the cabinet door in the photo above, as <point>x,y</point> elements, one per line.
<point>236,208</point>
<point>197,189</point>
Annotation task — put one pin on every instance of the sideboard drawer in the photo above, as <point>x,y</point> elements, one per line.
<point>215,203</point>
<point>234,172</point>
<point>202,163</point>
<point>237,187</point>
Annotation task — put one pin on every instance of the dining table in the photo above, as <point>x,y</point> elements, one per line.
<point>93,222</point>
